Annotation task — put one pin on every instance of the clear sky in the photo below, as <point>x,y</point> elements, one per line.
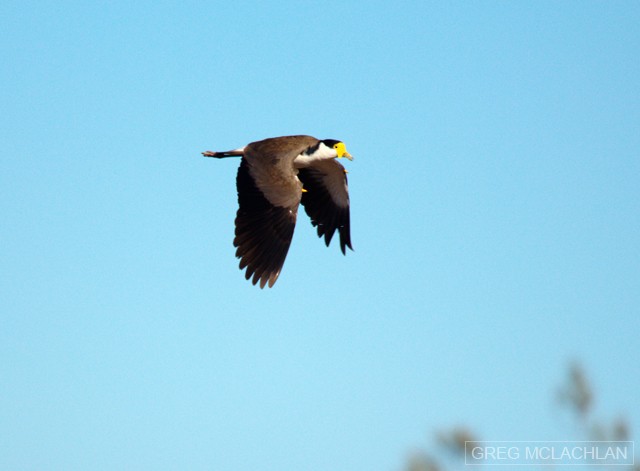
<point>495,220</point>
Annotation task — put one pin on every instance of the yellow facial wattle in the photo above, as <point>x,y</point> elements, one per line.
<point>341,150</point>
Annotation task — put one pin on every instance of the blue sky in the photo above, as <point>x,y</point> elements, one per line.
<point>495,222</point>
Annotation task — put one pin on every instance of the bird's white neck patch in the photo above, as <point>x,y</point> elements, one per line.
<point>315,154</point>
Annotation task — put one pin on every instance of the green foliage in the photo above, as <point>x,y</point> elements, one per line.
<point>575,395</point>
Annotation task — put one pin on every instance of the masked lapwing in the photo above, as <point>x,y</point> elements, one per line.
<point>274,177</point>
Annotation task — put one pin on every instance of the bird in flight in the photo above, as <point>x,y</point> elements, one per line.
<point>274,177</point>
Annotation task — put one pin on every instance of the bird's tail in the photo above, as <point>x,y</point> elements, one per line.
<point>222,155</point>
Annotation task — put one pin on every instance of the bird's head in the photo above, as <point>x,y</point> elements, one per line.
<point>339,148</point>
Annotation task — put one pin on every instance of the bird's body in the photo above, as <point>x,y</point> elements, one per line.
<point>274,177</point>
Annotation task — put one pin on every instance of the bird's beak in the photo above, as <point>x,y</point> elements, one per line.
<point>347,155</point>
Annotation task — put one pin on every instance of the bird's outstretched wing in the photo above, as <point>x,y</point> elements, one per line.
<point>263,231</point>
<point>326,200</point>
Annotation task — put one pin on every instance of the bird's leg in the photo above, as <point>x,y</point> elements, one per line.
<point>222,155</point>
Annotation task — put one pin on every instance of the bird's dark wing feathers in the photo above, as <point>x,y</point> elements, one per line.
<point>325,213</point>
<point>263,231</point>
